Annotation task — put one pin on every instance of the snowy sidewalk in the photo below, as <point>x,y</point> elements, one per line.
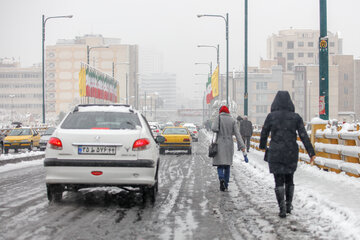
<point>330,196</point>
<point>20,157</point>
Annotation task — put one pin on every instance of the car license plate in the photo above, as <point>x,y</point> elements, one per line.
<point>97,150</point>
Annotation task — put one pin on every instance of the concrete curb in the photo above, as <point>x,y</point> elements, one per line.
<point>20,159</point>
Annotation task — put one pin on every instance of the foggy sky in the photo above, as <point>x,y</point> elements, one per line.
<point>171,27</point>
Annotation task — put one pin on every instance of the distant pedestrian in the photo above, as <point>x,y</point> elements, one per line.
<point>246,131</point>
<point>224,157</point>
<point>283,153</point>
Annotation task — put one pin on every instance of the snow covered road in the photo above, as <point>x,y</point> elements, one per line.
<point>189,204</point>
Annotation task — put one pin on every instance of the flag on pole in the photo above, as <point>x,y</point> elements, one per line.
<point>209,95</point>
<point>215,82</point>
<point>82,82</point>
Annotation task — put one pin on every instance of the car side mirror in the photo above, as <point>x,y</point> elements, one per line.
<point>160,139</point>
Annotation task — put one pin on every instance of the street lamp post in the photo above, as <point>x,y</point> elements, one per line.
<point>226,19</point>
<point>126,79</point>
<point>43,59</point>
<point>88,49</point>
<point>217,58</point>
<point>209,64</point>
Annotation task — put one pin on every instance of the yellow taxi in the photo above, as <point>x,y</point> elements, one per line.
<point>176,138</point>
<point>20,138</point>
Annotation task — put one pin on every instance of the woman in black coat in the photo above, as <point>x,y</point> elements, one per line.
<point>283,153</point>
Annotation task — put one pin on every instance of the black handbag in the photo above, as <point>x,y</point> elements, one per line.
<point>213,148</point>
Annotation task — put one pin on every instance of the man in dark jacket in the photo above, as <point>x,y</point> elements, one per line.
<point>246,131</point>
<point>283,152</point>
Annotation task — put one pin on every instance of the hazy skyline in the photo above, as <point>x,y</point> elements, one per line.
<point>171,27</point>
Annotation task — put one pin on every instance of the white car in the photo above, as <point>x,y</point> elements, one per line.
<point>102,145</point>
<point>193,131</point>
<point>45,138</point>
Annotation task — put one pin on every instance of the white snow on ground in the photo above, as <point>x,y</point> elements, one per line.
<point>12,166</point>
<point>331,196</point>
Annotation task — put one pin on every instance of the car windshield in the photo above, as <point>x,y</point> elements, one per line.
<point>49,131</point>
<point>101,120</point>
<point>20,132</point>
<point>175,131</point>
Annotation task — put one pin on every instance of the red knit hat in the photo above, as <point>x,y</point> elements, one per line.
<point>224,109</point>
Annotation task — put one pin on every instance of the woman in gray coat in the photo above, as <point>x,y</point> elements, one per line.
<point>224,157</point>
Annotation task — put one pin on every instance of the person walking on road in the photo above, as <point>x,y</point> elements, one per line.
<point>246,131</point>
<point>225,129</point>
<point>283,152</point>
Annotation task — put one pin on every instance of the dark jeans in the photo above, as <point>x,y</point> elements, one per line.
<point>224,173</point>
<point>246,140</point>
<point>281,179</point>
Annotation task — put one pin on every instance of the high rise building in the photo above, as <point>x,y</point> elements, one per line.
<point>63,62</point>
<point>163,84</point>
<point>293,47</point>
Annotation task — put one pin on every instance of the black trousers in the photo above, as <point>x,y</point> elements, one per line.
<point>284,179</point>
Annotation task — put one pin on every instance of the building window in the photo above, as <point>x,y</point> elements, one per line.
<point>310,44</point>
<point>346,76</point>
<point>261,109</point>
<point>290,66</point>
<point>279,44</point>
<point>300,54</point>
<point>310,55</point>
<point>290,45</point>
<point>332,44</point>
<point>346,91</point>
<point>279,54</point>
<point>290,56</point>
<point>261,97</point>
<point>261,85</point>
<point>300,44</point>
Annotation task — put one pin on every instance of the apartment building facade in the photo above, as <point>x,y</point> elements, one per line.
<point>20,91</point>
<point>294,47</point>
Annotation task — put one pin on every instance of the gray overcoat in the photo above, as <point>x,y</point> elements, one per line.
<point>228,128</point>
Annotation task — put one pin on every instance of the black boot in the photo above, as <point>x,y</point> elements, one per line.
<point>222,185</point>
<point>289,193</point>
<point>280,196</point>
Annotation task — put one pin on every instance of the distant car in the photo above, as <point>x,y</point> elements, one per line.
<point>193,131</point>
<point>21,138</point>
<point>155,128</point>
<point>176,138</point>
<point>45,138</point>
<point>102,145</point>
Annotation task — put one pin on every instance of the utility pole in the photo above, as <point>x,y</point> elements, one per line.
<point>323,64</point>
<point>246,61</point>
